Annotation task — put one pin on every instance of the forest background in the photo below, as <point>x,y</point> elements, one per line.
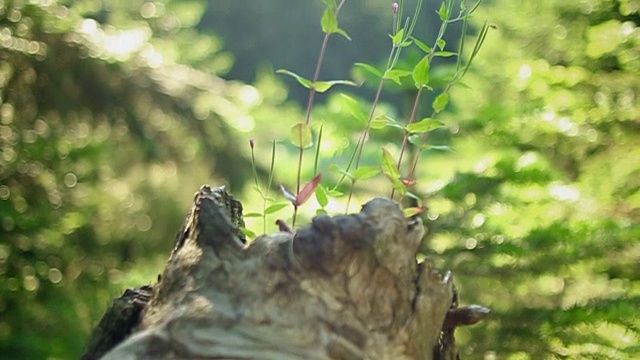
<point>113,113</point>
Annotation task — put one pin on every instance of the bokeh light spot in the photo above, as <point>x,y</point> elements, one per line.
<point>70,180</point>
<point>55,275</point>
<point>5,192</point>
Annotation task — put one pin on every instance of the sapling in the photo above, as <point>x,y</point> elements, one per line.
<point>414,131</point>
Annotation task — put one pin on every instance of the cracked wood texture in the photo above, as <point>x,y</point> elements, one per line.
<point>344,287</point>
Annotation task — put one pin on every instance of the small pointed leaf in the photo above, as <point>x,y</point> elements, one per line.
<point>338,170</point>
<point>397,38</point>
<point>329,21</point>
<point>391,122</point>
<point>441,102</point>
<point>301,136</point>
<point>438,148</point>
<point>335,193</point>
<point>343,33</point>
<point>308,189</point>
<point>366,172</point>
<point>443,11</point>
<point>413,211</point>
<point>421,73</point>
<point>370,69</point>
<point>389,165</point>
<point>354,107</point>
<point>379,123</point>
<point>415,139</point>
<point>321,196</point>
<point>445,53</point>
<point>396,74</point>
<point>275,208</point>
<point>424,47</point>
<point>322,86</point>
<point>421,126</point>
<point>406,43</point>
<point>304,82</point>
<point>248,233</point>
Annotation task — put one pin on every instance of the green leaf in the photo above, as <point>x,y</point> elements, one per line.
<point>389,165</point>
<point>343,33</point>
<point>438,148</point>
<point>396,74</point>
<point>321,196</point>
<point>424,47</point>
<point>301,136</point>
<point>390,170</point>
<point>415,139</point>
<point>329,21</point>
<point>421,126</point>
<point>370,69</point>
<point>398,37</point>
<point>420,73</point>
<point>366,172</point>
<point>322,86</point>
<point>440,102</point>
<point>406,43</point>
<point>354,107</point>
<point>445,53</point>
<point>335,193</point>
<point>386,121</point>
<point>304,82</point>
<point>413,211</point>
<point>248,233</point>
<point>443,12</point>
<point>379,123</point>
<point>275,208</point>
<point>251,215</point>
<point>338,170</point>
<point>441,44</point>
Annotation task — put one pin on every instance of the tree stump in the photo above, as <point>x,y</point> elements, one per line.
<point>345,287</point>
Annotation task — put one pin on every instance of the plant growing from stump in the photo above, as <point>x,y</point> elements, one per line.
<point>414,131</point>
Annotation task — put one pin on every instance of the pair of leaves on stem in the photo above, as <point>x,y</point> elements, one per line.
<point>304,194</point>
<point>318,86</point>
<point>362,173</point>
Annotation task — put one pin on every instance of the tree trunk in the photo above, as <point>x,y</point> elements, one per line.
<point>345,287</point>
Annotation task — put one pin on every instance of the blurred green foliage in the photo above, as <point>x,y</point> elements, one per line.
<point>111,116</point>
<point>113,113</point>
<point>540,216</point>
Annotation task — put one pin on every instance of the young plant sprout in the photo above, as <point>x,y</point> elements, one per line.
<point>415,131</point>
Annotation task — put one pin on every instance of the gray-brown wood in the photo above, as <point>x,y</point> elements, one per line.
<point>345,287</point>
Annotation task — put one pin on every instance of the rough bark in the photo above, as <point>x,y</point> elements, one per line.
<point>344,287</point>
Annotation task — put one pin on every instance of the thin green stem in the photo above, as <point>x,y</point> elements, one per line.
<point>265,198</point>
<point>394,55</point>
<point>416,103</point>
<point>405,139</point>
<point>458,76</point>
<point>312,96</point>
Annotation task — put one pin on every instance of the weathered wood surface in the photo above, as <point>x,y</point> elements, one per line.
<point>345,287</point>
